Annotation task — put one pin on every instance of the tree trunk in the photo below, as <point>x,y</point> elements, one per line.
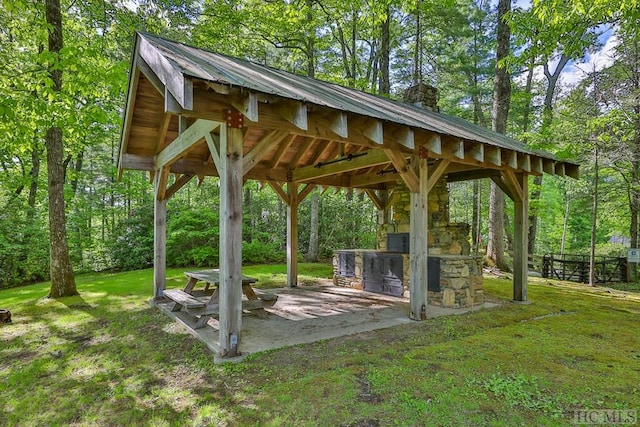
<point>501,101</point>
<point>547,118</point>
<point>312,253</point>
<point>475,226</point>
<point>384,87</point>
<point>33,176</point>
<point>594,221</point>
<point>62,279</point>
<point>495,245</point>
<point>567,210</point>
<point>311,40</point>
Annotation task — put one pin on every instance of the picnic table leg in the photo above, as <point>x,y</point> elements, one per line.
<point>248,291</point>
<point>201,322</point>
<point>188,288</point>
<point>251,295</point>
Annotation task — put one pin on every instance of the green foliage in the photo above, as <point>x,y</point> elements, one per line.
<point>257,252</point>
<point>24,248</point>
<point>131,246</point>
<point>193,237</point>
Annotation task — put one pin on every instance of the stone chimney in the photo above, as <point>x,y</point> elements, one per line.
<point>422,95</point>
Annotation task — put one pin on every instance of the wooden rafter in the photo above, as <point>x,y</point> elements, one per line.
<point>258,152</point>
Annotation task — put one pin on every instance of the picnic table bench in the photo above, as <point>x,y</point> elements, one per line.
<point>201,309</point>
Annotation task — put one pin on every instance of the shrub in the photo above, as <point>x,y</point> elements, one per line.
<point>131,245</point>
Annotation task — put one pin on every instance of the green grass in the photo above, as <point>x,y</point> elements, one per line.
<point>106,358</point>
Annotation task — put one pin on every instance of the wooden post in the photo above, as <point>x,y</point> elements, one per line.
<point>159,246</point>
<point>230,172</point>
<point>418,250</point>
<point>292,235</point>
<point>520,239</point>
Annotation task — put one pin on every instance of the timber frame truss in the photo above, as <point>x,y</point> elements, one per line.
<point>178,126</point>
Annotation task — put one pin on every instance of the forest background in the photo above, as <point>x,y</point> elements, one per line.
<point>590,115</point>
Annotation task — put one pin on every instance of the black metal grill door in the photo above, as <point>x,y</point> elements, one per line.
<point>383,273</point>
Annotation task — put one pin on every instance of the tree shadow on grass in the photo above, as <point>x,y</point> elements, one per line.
<point>99,361</point>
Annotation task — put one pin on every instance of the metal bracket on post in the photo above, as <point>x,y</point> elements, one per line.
<point>423,152</point>
<point>289,175</point>
<point>234,119</point>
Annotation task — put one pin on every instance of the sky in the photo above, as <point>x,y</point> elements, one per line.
<point>598,60</point>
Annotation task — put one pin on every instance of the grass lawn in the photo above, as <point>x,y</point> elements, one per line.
<point>105,358</point>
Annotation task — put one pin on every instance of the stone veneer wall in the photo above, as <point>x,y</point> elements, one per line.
<point>460,279</point>
<point>445,238</point>
<point>460,273</point>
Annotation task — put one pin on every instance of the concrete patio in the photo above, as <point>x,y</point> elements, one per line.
<point>311,313</point>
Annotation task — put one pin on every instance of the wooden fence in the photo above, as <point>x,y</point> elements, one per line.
<point>575,268</point>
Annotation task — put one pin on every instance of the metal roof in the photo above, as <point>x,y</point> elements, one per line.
<point>225,70</point>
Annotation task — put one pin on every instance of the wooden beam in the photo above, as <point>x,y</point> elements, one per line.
<point>572,170</point>
<point>338,124</point>
<point>247,105</point>
<point>400,163</point>
<point>560,169</point>
<point>294,112</point>
<point>418,248</point>
<point>300,152</point>
<point>136,162</point>
<point>292,235</point>
<point>474,151</point>
<point>399,135</point>
<point>161,178</point>
<point>230,320</point>
<point>520,240</point>
<point>473,174</point>
<point>369,180</point>
<point>549,166</point>
<point>524,162</point>
<point>171,77</point>
<point>184,142</point>
<point>258,152</point>
<point>373,130</point>
<point>150,75</point>
<point>279,191</point>
<point>377,201</point>
<point>305,192</point>
<point>536,165</point>
<point>162,133</point>
<point>432,141</point>
<point>319,150</point>
<point>159,244</point>
<point>171,104</point>
<point>178,184</point>
<point>371,158</point>
<point>282,148</point>
<point>503,186</point>
<point>515,187</point>
<point>455,146</point>
<point>510,158</point>
<point>492,155</point>
<point>438,171</point>
<point>134,77</point>
<point>213,142</point>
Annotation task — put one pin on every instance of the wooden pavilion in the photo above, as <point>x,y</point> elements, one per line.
<point>194,113</point>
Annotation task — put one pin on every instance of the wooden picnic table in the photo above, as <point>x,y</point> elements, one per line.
<point>187,298</point>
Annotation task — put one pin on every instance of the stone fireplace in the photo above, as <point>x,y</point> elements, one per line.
<point>455,276</point>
